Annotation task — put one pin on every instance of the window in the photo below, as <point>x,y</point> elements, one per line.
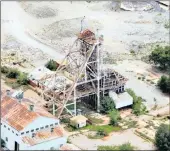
<point>42,127</point>
<point>46,126</point>
<point>4,125</point>
<point>32,130</point>
<point>51,125</point>
<point>56,123</point>
<point>6,139</point>
<point>1,123</point>
<point>37,129</point>
<point>22,133</point>
<point>17,134</point>
<point>8,128</point>
<point>12,131</point>
<point>27,131</point>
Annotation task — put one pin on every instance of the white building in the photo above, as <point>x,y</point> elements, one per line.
<point>78,121</point>
<point>37,74</point>
<point>28,127</point>
<point>121,99</point>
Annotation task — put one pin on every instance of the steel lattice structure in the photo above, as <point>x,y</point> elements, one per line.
<point>81,76</point>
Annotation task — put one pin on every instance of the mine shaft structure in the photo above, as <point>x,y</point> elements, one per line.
<point>81,78</point>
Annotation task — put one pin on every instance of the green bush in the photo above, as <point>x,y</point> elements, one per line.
<point>106,104</point>
<point>13,73</point>
<point>162,138</point>
<point>138,107</point>
<point>22,79</point>
<point>164,84</point>
<point>114,117</point>
<point>52,65</point>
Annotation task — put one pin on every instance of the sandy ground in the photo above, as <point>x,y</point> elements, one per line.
<point>115,139</point>
<point>147,92</point>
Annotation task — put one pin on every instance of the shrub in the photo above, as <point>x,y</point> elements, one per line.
<point>162,137</point>
<point>22,79</point>
<point>164,84</point>
<point>138,107</point>
<point>52,65</point>
<point>106,104</point>
<point>114,117</point>
<point>13,73</point>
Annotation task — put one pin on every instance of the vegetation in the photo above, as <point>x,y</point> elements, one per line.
<point>167,25</point>
<point>15,77</point>
<point>138,107</point>
<point>125,146</point>
<point>107,104</point>
<point>164,84</point>
<point>106,128</point>
<point>12,73</point>
<point>52,65</point>
<point>162,137</point>
<point>161,57</point>
<point>2,143</point>
<point>114,117</point>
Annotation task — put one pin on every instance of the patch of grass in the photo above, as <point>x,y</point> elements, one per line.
<point>130,123</point>
<point>125,146</point>
<point>167,25</point>
<point>106,128</point>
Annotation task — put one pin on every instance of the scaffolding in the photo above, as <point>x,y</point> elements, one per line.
<point>88,80</point>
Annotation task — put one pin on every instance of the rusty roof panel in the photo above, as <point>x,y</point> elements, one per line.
<point>44,135</point>
<point>18,115</point>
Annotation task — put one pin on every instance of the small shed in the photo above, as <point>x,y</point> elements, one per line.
<point>78,121</point>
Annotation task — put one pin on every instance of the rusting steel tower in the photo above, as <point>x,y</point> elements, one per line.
<point>80,77</point>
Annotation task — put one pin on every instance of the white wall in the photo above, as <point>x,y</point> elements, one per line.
<point>40,122</point>
<point>12,137</point>
<point>56,143</point>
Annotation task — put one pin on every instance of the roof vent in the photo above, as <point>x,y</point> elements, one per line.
<point>31,107</point>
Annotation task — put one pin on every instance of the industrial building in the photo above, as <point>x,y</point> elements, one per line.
<point>85,78</point>
<point>25,126</point>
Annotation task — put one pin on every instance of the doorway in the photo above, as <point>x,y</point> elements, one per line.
<point>16,146</point>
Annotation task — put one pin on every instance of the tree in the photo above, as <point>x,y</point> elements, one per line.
<point>22,79</point>
<point>106,104</point>
<point>2,143</point>
<point>52,65</point>
<point>164,84</point>
<point>138,106</point>
<point>114,117</point>
<point>161,57</point>
<point>162,137</point>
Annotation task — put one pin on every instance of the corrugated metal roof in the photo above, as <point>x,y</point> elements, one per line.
<point>44,135</point>
<point>18,115</point>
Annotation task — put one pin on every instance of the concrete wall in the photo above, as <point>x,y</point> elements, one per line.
<point>10,134</point>
<point>56,143</point>
<point>40,122</point>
